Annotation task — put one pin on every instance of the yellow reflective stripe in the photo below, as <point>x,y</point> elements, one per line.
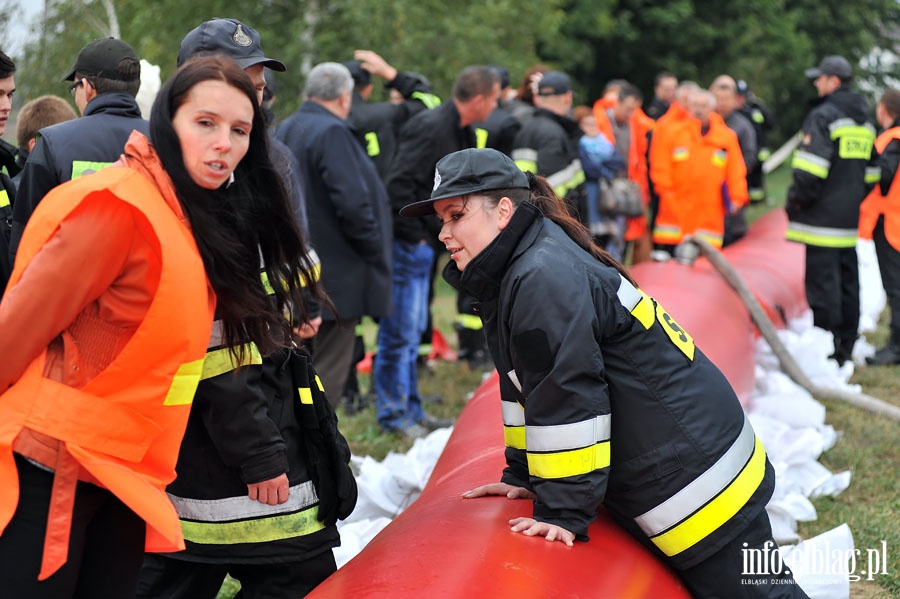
<point>424,349</point>
<point>184,384</point>
<point>481,137</point>
<point>561,437</point>
<point>821,236</point>
<point>276,528</point>
<point>514,436</point>
<point>470,321</point>
<point>220,361</point>
<point>710,236</point>
<point>811,163</point>
<point>764,154</point>
<point>718,511</point>
<point>569,463</point>
<point>305,395</point>
<point>757,193</point>
<point>319,384</point>
<point>667,233</point>
<point>85,167</point>
<point>757,116</point>
<point>373,148</point>
<point>567,179</point>
<point>849,128</point>
<point>525,159</point>
<point>526,166</point>
<point>636,302</point>
<point>644,311</point>
<point>229,509</point>
<point>267,285</point>
<point>4,198</point>
<point>873,174</point>
<point>429,100</point>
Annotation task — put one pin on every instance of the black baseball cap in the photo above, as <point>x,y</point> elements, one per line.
<point>466,172</point>
<point>101,58</point>
<point>227,37</point>
<point>832,65</point>
<point>361,77</point>
<point>554,83</point>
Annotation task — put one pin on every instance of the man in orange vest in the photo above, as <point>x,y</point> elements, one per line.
<point>879,219</point>
<point>701,178</point>
<point>620,119</point>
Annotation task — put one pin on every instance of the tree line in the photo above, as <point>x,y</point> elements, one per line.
<point>766,42</point>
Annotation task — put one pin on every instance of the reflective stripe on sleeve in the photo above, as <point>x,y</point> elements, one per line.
<point>220,361</point>
<point>567,179</point>
<point>237,508</point>
<point>471,322</point>
<point>564,464</point>
<point>873,174</point>
<point>711,499</point>
<point>513,423</point>
<point>810,163</point>
<point>636,302</point>
<point>81,168</point>
<point>561,437</point>
<point>4,198</point>
<point>525,159</point>
<point>821,236</point>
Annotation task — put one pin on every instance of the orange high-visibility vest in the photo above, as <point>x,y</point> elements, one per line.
<point>124,427</point>
<point>876,204</point>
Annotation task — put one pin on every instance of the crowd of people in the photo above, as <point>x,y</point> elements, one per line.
<point>184,321</point>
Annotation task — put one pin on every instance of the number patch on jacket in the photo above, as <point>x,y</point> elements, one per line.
<point>855,148</point>
<point>678,335</point>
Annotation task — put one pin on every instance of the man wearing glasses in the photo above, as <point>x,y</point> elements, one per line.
<point>105,80</point>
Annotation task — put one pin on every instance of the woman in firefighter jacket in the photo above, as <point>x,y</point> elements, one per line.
<point>106,321</point>
<point>605,399</point>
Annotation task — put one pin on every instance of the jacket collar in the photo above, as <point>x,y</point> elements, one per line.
<point>116,103</point>
<point>484,273</point>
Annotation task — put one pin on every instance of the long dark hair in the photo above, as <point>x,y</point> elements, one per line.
<point>237,227</point>
<point>542,196</point>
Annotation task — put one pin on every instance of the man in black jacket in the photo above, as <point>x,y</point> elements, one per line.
<point>105,80</point>
<point>425,139</point>
<point>376,124</point>
<point>349,218</point>
<point>832,173</point>
<point>8,166</point>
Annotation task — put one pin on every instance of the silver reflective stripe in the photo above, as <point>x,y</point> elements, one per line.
<point>524,154</point>
<point>628,294</point>
<point>703,488</point>
<point>813,158</point>
<point>515,379</point>
<point>562,437</point>
<point>823,231</point>
<point>236,508</point>
<point>565,175</point>
<point>216,336</point>
<point>848,122</point>
<point>513,413</point>
<point>873,174</point>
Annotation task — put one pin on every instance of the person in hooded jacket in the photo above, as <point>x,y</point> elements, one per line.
<point>833,170</point>
<point>605,399</point>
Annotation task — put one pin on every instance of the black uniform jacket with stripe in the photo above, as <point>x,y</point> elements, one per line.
<point>618,406</point>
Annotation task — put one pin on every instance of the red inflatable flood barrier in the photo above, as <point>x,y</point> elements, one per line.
<point>444,546</point>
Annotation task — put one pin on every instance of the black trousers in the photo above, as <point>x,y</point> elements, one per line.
<point>889,266</point>
<point>167,578</point>
<point>721,576</point>
<point>832,291</point>
<point>106,546</point>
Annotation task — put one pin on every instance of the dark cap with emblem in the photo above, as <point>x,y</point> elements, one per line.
<point>467,172</point>
<point>361,77</point>
<point>101,58</point>
<point>227,37</point>
<point>837,66</point>
<point>554,83</point>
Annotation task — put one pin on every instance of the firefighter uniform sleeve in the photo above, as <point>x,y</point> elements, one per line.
<point>235,413</point>
<point>557,360</point>
<point>811,163</point>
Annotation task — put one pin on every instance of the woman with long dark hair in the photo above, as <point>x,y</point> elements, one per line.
<point>605,399</point>
<point>106,322</point>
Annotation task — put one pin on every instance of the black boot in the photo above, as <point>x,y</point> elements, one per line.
<point>887,355</point>
<point>472,347</point>
<point>843,349</point>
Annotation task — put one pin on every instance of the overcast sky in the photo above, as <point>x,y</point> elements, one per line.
<point>17,29</point>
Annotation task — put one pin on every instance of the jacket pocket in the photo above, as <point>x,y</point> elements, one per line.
<point>644,469</point>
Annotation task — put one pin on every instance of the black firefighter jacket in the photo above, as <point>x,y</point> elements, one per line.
<point>347,210</point>
<point>833,170</point>
<point>423,140</point>
<point>68,150</point>
<point>547,145</point>
<point>606,400</point>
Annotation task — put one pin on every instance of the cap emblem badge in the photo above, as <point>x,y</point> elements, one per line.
<point>437,179</point>
<point>240,38</point>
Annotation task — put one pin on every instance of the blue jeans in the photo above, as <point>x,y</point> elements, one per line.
<point>398,404</point>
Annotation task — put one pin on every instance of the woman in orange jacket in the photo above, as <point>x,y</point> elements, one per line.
<point>879,219</point>
<point>106,321</point>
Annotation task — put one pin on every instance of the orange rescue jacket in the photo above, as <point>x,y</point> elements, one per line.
<point>699,179</point>
<point>877,204</point>
<point>123,428</point>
